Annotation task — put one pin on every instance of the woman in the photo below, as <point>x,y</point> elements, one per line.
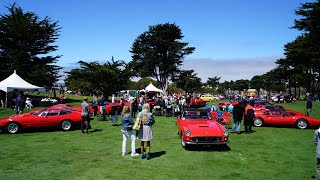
<point>145,132</point>
<point>126,129</point>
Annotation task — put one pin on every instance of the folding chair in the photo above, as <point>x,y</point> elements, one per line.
<point>113,119</point>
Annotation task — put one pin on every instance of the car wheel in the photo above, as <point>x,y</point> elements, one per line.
<point>12,128</point>
<point>66,125</point>
<point>258,122</point>
<point>302,124</point>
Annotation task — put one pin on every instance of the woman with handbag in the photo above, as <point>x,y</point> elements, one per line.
<point>127,133</point>
<point>145,132</point>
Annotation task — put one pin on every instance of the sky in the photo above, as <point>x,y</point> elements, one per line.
<point>233,39</point>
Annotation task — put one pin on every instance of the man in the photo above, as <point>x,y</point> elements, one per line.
<point>102,107</point>
<point>18,102</point>
<point>85,115</point>
<point>238,111</point>
<point>316,142</point>
<point>309,106</point>
<point>248,118</point>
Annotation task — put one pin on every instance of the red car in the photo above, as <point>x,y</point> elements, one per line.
<point>286,118</point>
<point>53,117</point>
<point>198,127</point>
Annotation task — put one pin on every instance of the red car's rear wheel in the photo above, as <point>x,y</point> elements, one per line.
<point>66,125</point>
<point>302,124</point>
<point>258,122</point>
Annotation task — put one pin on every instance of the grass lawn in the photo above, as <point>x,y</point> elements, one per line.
<point>268,153</point>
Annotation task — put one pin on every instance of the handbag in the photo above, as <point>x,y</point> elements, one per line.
<point>137,124</point>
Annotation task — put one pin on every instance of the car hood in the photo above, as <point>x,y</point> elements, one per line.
<point>204,128</point>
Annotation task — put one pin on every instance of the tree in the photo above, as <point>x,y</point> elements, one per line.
<point>159,52</point>
<point>107,78</point>
<point>213,82</point>
<point>25,42</point>
<point>189,81</point>
<point>257,82</point>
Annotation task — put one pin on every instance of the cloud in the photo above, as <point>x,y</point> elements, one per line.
<point>230,69</point>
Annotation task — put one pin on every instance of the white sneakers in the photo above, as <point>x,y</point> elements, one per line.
<point>135,154</point>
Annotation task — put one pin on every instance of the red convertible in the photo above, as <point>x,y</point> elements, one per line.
<point>285,118</point>
<point>53,117</point>
<point>197,127</point>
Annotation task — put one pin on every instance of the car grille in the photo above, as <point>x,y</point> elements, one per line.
<point>207,139</point>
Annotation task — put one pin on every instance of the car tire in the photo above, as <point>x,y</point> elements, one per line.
<point>257,121</point>
<point>302,124</point>
<point>66,125</point>
<point>12,128</point>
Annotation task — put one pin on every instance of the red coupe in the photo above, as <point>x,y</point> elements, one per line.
<point>52,117</point>
<point>285,118</point>
<point>198,127</point>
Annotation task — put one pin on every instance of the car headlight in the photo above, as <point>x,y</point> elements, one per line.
<point>187,132</point>
<point>225,132</point>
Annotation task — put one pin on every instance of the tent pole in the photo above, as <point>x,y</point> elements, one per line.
<point>6,99</point>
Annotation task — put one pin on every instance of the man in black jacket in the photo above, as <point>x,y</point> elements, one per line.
<point>238,111</point>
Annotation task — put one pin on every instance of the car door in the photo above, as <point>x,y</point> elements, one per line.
<point>53,118</point>
<point>274,118</point>
<point>40,120</point>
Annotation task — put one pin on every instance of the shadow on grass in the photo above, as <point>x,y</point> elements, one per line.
<point>216,148</point>
<point>95,130</point>
<point>152,154</point>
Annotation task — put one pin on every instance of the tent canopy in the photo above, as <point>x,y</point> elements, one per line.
<point>151,87</point>
<point>15,82</point>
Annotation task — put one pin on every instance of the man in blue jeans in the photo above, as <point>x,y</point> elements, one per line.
<point>238,111</point>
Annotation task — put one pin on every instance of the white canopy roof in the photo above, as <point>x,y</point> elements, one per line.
<point>151,87</point>
<point>14,81</point>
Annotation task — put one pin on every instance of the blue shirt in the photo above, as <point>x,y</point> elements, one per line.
<point>127,122</point>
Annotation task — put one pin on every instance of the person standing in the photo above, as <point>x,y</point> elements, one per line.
<point>127,133</point>
<point>113,99</point>
<point>18,102</point>
<point>102,105</point>
<point>85,115</point>
<point>238,111</point>
<point>309,106</point>
<point>316,142</point>
<point>145,132</point>
<point>95,105</point>
<point>248,118</point>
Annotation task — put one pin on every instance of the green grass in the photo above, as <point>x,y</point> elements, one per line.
<point>269,153</point>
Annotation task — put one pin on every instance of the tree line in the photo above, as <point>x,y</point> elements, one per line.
<point>157,55</point>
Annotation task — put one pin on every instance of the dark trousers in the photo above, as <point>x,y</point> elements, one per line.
<point>87,119</point>
<point>133,113</point>
<point>95,110</point>
<point>248,125</point>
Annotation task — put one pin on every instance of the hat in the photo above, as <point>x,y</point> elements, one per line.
<point>85,98</point>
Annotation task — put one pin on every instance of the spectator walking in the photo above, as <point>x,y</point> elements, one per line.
<point>127,133</point>
<point>102,104</point>
<point>309,106</point>
<point>18,102</point>
<point>145,132</point>
<point>85,115</point>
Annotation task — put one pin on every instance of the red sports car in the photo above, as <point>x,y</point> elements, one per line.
<point>198,127</point>
<point>286,118</point>
<point>52,117</point>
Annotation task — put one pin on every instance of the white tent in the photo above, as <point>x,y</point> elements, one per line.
<point>151,87</point>
<point>15,82</point>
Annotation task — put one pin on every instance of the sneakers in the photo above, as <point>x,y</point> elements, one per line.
<point>135,154</point>
<point>148,156</point>
<point>142,155</point>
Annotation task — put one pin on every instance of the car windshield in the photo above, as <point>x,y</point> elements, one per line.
<point>193,115</point>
